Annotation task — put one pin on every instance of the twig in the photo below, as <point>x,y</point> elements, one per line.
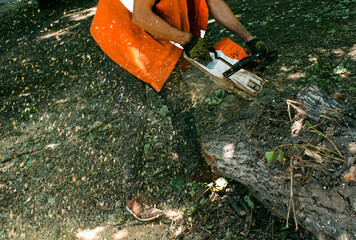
<point>306,147</point>
<point>274,119</point>
<point>169,230</point>
<point>249,225</point>
<point>294,105</point>
<point>144,219</point>
<point>288,110</point>
<point>331,111</point>
<point>325,155</point>
<point>291,201</point>
<point>204,229</point>
<point>321,134</point>
<point>182,229</point>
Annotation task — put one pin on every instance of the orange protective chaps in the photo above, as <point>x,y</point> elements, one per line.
<point>149,59</point>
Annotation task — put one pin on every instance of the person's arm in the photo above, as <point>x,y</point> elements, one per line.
<point>144,18</point>
<point>222,13</point>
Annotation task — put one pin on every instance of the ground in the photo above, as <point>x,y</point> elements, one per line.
<point>59,170</point>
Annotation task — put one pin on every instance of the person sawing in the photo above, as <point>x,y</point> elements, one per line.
<point>144,41</point>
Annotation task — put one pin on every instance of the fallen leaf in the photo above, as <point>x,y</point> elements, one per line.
<point>52,146</point>
<point>313,155</point>
<point>352,147</point>
<point>270,157</point>
<point>351,175</point>
<point>338,95</point>
<point>281,156</point>
<point>221,183</point>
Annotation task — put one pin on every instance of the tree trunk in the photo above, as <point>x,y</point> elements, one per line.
<point>317,143</point>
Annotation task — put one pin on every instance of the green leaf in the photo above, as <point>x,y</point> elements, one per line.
<point>340,69</point>
<point>177,183</point>
<point>163,111</point>
<point>281,156</point>
<point>146,148</point>
<point>320,134</point>
<point>39,197</point>
<point>270,157</point>
<point>112,216</point>
<point>29,163</point>
<point>309,125</point>
<point>52,200</point>
<point>249,202</point>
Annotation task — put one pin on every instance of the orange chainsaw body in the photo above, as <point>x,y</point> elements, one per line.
<point>231,49</point>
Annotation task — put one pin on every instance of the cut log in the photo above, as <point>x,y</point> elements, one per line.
<point>318,152</point>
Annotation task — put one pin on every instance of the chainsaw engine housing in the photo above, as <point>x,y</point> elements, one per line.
<point>224,56</point>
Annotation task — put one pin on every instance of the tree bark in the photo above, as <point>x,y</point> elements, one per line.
<point>315,139</point>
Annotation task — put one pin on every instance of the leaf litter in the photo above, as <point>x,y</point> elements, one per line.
<point>58,129</point>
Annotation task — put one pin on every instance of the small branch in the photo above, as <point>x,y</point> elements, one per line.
<point>144,219</point>
<point>291,202</point>
<point>325,155</point>
<point>204,229</point>
<point>321,134</point>
<point>173,224</point>
<point>298,109</point>
<point>249,225</point>
<point>306,147</point>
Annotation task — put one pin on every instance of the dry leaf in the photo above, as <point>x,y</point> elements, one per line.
<point>297,126</point>
<point>351,175</point>
<point>338,95</point>
<point>313,155</point>
<point>352,147</point>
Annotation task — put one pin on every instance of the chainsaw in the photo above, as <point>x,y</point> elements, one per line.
<point>233,68</point>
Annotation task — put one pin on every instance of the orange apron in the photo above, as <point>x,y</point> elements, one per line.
<point>149,59</point>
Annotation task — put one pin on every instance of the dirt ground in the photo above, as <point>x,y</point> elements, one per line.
<point>59,165</point>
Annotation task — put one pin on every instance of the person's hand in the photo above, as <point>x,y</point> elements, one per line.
<point>197,48</point>
<point>267,56</point>
<point>258,46</point>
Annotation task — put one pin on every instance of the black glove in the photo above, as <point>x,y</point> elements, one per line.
<point>258,46</point>
<point>267,56</point>
<point>197,48</point>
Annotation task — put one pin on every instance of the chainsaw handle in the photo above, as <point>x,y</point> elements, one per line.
<point>240,64</point>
